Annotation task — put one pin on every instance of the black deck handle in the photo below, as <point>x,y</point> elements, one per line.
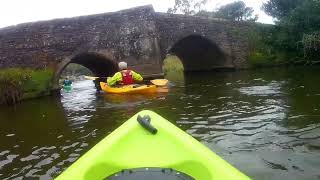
<point>145,122</point>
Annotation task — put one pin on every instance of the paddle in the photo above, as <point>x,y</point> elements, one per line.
<point>91,77</point>
<point>161,85</point>
<point>159,82</point>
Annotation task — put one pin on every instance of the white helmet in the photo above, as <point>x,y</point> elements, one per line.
<point>122,65</point>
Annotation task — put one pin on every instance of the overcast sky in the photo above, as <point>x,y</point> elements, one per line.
<point>19,11</point>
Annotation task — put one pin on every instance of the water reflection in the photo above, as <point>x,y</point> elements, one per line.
<point>33,128</point>
<point>264,122</point>
<point>270,89</point>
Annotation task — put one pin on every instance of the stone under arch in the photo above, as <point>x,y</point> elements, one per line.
<point>198,53</point>
<point>98,64</point>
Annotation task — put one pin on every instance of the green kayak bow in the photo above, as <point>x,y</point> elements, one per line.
<point>147,146</point>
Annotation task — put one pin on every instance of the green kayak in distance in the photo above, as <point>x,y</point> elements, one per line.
<point>67,88</point>
<point>147,146</point>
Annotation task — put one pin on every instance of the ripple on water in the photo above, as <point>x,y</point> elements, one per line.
<point>273,88</point>
<point>6,158</point>
<point>237,122</point>
<point>263,128</point>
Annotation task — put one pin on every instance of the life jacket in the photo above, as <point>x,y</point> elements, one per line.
<point>127,77</point>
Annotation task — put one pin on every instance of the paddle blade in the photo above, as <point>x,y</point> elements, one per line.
<point>159,82</point>
<point>90,77</point>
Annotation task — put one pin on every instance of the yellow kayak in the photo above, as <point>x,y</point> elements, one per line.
<point>129,89</point>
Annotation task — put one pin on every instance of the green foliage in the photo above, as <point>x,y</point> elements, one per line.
<point>75,70</point>
<point>264,59</point>
<point>311,47</point>
<point>267,47</point>
<point>173,69</point>
<point>172,64</point>
<point>258,59</point>
<point>236,11</point>
<point>187,7</point>
<point>298,26</point>
<point>204,13</point>
<point>255,36</point>
<point>17,84</point>
<point>305,18</point>
<point>39,84</point>
<point>280,8</point>
<point>11,84</point>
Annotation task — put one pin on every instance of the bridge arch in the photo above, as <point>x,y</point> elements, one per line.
<point>198,53</point>
<point>98,64</point>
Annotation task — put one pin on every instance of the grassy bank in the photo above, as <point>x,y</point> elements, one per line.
<point>17,84</point>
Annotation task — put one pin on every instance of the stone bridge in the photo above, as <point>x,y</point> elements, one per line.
<point>140,36</point>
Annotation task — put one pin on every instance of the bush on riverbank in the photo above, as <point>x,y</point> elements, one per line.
<point>295,39</point>
<point>258,59</point>
<point>268,47</point>
<point>17,84</point>
<point>311,47</point>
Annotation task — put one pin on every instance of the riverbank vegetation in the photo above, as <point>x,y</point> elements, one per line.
<point>172,64</point>
<point>173,68</point>
<point>17,84</point>
<point>294,39</point>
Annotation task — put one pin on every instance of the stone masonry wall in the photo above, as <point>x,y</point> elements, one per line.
<point>128,35</point>
<point>230,37</point>
<point>139,36</point>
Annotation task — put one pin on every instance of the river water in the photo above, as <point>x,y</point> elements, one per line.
<point>264,122</point>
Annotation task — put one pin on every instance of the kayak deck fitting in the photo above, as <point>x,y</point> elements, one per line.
<point>148,146</point>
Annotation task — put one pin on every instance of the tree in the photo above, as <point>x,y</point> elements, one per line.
<point>311,47</point>
<point>204,13</point>
<point>304,22</point>
<point>236,11</point>
<point>305,17</point>
<point>187,7</point>
<point>299,24</point>
<point>280,8</point>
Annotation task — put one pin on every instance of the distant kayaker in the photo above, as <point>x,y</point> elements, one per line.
<point>125,76</point>
<point>67,82</point>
